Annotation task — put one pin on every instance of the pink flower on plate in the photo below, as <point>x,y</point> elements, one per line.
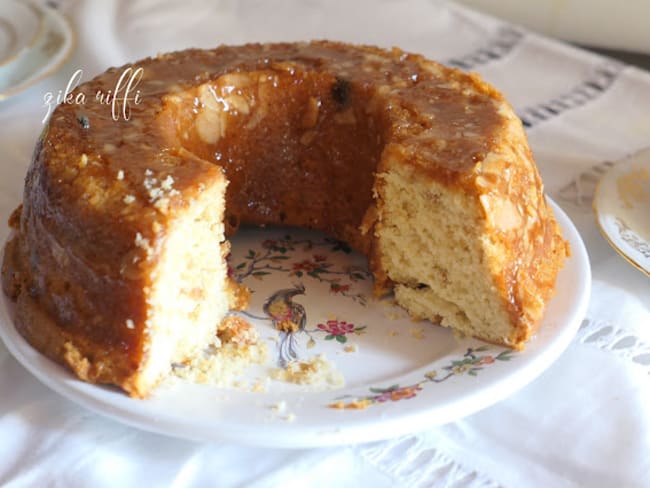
<point>305,265</point>
<point>337,329</point>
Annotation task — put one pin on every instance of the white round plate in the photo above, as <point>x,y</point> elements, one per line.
<point>50,49</point>
<point>410,376</point>
<point>622,207</point>
<point>20,27</point>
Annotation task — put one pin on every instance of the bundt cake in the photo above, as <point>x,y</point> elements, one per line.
<point>117,262</point>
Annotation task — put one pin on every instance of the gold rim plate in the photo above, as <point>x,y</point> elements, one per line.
<point>622,208</point>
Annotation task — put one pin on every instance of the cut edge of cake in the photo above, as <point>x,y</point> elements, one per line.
<point>188,295</point>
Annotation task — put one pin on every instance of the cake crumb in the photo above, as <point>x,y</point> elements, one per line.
<point>239,295</point>
<point>316,371</point>
<point>259,386</point>
<point>351,348</point>
<point>279,407</point>
<point>237,330</point>
<point>359,404</point>
<point>353,405</point>
<point>222,364</point>
<point>417,333</point>
<point>83,160</point>
<point>393,333</point>
<point>290,417</point>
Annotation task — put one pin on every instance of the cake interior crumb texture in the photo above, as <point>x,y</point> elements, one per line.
<point>432,246</point>
<point>318,372</point>
<point>187,296</point>
<point>223,365</point>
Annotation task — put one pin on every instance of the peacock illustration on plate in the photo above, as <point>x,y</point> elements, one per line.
<point>289,318</point>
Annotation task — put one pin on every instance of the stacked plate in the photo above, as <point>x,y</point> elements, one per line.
<point>35,41</point>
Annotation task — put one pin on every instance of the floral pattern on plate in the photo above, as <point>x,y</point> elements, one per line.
<point>470,363</point>
<point>279,255</point>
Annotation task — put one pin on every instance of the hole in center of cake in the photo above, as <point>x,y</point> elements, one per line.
<point>298,148</point>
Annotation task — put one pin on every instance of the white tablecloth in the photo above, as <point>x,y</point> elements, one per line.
<point>584,422</point>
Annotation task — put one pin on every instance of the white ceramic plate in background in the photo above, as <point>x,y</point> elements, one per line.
<point>622,207</point>
<point>20,27</point>
<point>411,376</point>
<point>49,50</point>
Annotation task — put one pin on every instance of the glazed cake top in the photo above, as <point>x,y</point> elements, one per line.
<point>441,121</point>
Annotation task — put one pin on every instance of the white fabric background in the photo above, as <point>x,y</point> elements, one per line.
<point>584,422</point>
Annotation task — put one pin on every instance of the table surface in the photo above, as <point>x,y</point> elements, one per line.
<point>583,422</point>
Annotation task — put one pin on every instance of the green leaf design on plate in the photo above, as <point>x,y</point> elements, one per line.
<point>384,390</point>
<point>504,356</point>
